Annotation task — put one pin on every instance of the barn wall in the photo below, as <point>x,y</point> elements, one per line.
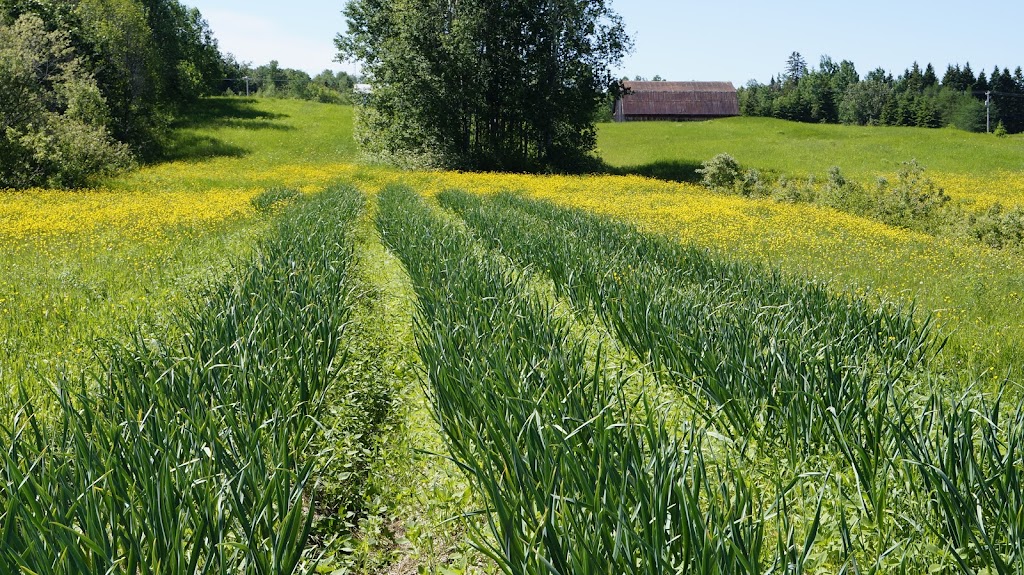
<point>677,101</point>
<point>666,118</point>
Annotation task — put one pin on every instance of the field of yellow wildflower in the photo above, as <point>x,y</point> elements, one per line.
<point>97,264</point>
<point>90,263</point>
<point>1004,187</point>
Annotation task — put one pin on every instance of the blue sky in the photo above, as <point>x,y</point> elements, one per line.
<point>688,40</point>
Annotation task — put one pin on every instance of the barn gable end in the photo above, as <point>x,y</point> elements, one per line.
<point>678,101</point>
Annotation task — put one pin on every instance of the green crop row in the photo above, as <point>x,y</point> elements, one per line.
<point>193,456</point>
<point>577,478</point>
<point>774,359</point>
<point>789,367</point>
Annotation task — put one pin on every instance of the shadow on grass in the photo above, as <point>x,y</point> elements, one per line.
<point>230,113</point>
<point>190,146</point>
<point>186,142</point>
<point>668,170</point>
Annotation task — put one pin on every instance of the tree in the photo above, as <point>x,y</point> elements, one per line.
<point>52,114</point>
<point>951,79</point>
<point>127,69</point>
<point>792,105</point>
<point>333,88</point>
<point>929,78</point>
<point>967,77</point>
<point>756,99</point>
<point>137,62</point>
<point>1018,101</point>
<point>928,114</point>
<point>270,80</point>
<point>834,92</point>
<point>845,76</point>
<point>478,84</point>
<point>961,109</point>
<point>864,102</point>
<point>188,63</point>
<point>1006,97</point>
<point>913,79</point>
<point>796,68</point>
<point>957,79</point>
<point>981,85</point>
<point>817,90</point>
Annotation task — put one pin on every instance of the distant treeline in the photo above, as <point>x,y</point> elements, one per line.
<point>835,93</point>
<point>272,81</point>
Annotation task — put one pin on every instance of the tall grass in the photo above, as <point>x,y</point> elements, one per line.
<point>193,457</point>
<point>969,453</point>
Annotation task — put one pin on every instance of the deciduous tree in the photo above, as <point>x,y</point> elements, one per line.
<point>52,114</point>
<point>144,60</point>
<point>481,84</point>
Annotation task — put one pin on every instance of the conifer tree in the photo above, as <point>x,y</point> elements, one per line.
<point>951,79</point>
<point>796,68</point>
<point>1005,96</point>
<point>967,77</point>
<point>981,85</point>
<point>929,78</point>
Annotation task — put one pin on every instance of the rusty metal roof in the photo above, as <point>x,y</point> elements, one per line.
<point>680,99</point>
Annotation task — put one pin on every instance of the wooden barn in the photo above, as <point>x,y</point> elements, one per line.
<point>677,101</point>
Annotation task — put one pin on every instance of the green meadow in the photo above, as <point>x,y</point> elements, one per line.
<point>797,150</point>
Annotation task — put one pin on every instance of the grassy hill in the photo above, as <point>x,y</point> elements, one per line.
<point>797,149</point>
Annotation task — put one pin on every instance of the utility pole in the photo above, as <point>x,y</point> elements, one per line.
<point>246,86</point>
<point>988,121</point>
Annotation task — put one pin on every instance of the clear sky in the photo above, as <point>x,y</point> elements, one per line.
<point>688,40</point>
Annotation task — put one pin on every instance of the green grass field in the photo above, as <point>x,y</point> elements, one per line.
<point>796,149</point>
<point>603,370</point>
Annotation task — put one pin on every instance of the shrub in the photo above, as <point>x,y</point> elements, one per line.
<point>720,173</point>
<point>52,113</point>
<point>914,201</point>
<point>66,154</point>
<point>1000,130</point>
<point>998,227</point>
<point>326,95</point>
<point>843,194</point>
<point>751,184</point>
<point>791,191</point>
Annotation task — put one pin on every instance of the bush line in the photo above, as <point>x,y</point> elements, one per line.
<point>912,201</point>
